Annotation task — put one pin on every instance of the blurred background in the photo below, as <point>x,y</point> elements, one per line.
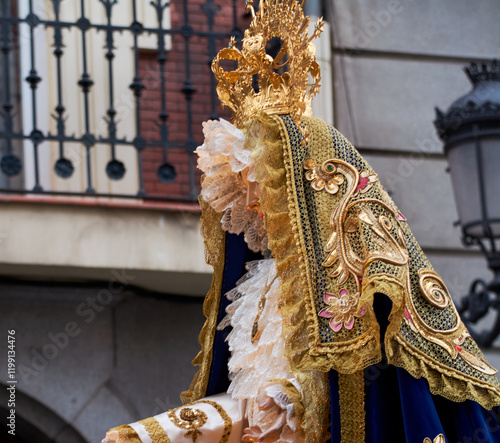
<point>101,103</point>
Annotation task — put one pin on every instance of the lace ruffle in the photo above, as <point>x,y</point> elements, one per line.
<point>253,365</point>
<point>222,157</point>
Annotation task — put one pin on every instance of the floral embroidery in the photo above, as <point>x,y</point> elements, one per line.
<point>366,181</point>
<point>342,309</point>
<point>325,176</point>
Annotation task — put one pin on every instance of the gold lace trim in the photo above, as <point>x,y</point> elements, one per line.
<point>214,239</point>
<point>264,139</point>
<point>352,407</point>
<point>228,423</point>
<point>442,380</point>
<point>155,431</point>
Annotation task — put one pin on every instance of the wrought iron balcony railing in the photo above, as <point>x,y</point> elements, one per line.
<point>162,125</point>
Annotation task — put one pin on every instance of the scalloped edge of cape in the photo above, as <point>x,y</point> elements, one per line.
<point>214,240</point>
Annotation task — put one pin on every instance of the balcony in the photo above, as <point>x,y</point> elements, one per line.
<point>102,104</point>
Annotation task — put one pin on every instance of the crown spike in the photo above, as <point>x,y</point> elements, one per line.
<point>249,7</point>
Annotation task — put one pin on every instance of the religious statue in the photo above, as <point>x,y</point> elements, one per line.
<point>325,320</point>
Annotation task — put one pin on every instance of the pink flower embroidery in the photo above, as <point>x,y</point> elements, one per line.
<point>342,309</point>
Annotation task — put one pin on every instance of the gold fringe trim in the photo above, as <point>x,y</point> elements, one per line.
<point>214,239</point>
<point>352,407</point>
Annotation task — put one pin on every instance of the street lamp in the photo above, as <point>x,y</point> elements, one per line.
<point>470,130</point>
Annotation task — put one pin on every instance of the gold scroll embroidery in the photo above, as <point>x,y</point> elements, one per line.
<point>155,431</point>
<point>433,289</point>
<point>340,255</point>
<point>435,293</point>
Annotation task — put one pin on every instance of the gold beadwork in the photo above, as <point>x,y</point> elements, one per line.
<point>279,92</point>
<point>155,431</point>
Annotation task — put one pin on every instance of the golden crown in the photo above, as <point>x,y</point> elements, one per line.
<point>287,82</point>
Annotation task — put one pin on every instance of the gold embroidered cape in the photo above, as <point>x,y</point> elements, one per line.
<point>338,239</point>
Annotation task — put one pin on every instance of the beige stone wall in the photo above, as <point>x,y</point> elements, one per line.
<point>63,241</point>
<point>91,357</point>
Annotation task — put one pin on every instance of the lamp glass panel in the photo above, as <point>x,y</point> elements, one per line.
<point>491,169</point>
<point>465,179</point>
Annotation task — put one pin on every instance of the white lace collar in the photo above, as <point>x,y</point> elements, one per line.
<point>222,157</point>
